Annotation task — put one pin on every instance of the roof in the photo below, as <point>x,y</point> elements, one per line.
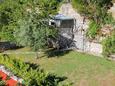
<point>62,17</point>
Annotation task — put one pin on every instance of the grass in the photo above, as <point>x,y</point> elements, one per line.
<point>79,68</point>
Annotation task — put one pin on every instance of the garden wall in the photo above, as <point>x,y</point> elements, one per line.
<point>80,28</point>
<point>94,48</point>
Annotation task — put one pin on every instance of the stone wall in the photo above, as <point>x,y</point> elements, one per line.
<point>80,28</point>
<point>92,47</point>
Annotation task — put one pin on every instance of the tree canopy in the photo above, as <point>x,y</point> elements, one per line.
<point>25,21</point>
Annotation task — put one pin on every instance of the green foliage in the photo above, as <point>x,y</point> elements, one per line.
<point>34,31</point>
<point>30,73</point>
<point>109,19</point>
<point>12,11</point>
<point>93,28</point>
<point>48,6</point>
<point>2,83</point>
<point>109,45</point>
<point>96,11</point>
<point>26,21</point>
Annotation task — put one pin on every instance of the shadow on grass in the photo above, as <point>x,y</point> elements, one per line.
<point>52,78</point>
<point>46,79</point>
<point>32,65</point>
<point>56,53</point>
<point>8,46</point>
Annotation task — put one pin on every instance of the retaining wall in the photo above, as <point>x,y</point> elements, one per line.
<point>80,28</point>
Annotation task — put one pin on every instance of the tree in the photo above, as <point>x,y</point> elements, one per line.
<point>10,12</point>
<point>27,19</point>
<point>33,30</point>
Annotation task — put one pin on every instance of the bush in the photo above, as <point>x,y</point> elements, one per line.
<point>30,73</point>
<point>109,45</point>
<point>2,83</point>
<point>20,14</point>
<point>96,11</point>
<point>92,7</point>
<point>92,30</point>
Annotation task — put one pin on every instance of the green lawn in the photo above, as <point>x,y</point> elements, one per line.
<point>79,68</point>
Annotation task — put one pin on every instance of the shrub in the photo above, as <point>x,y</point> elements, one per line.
<point>31,73</point>
<point>92,30</point>
<point>96,11</point>
<point>109,45</point>
<point>2,83</point>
